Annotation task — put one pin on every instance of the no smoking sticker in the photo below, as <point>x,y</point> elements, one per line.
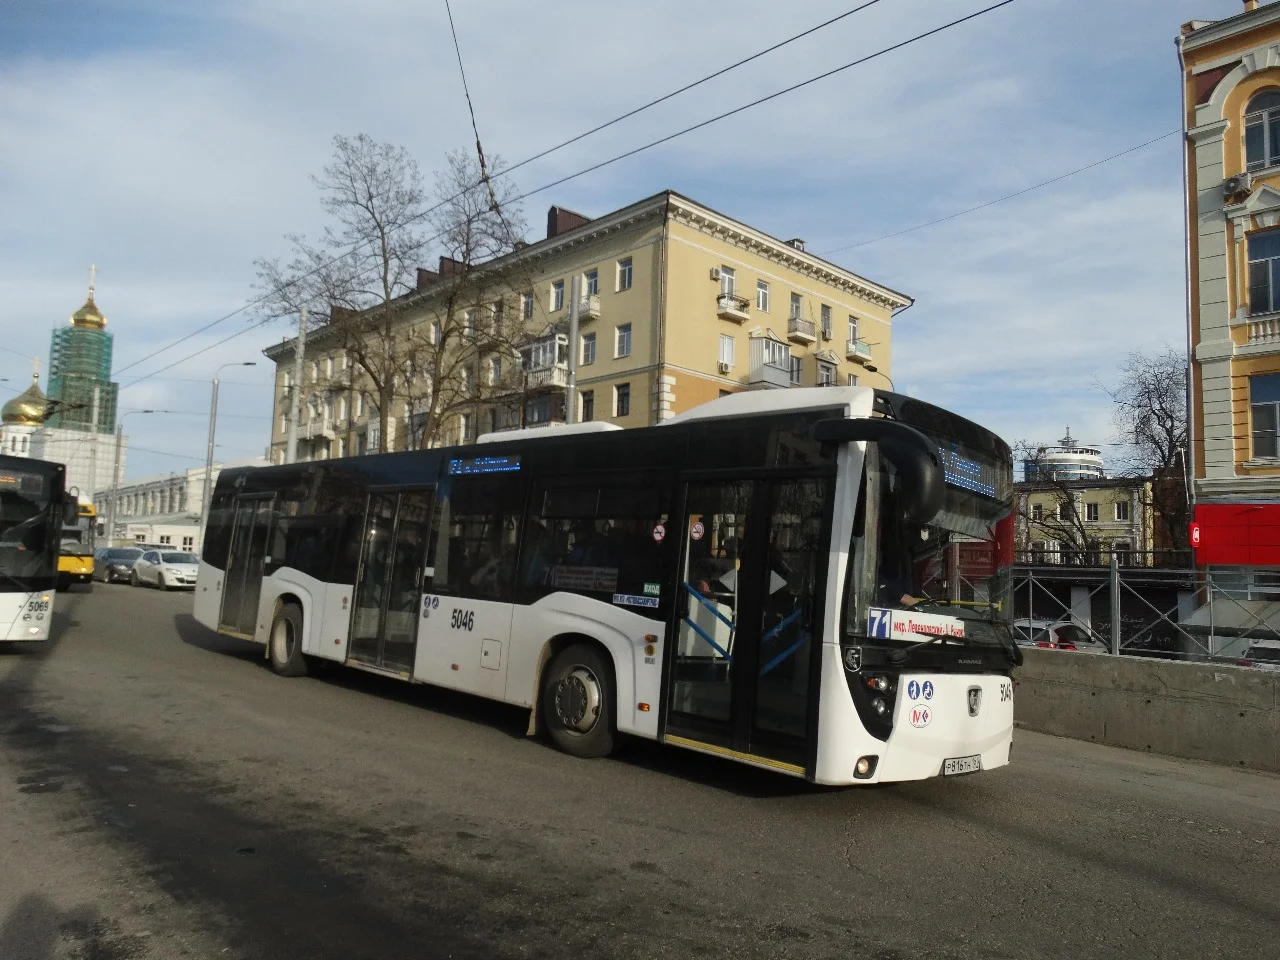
<point>697,530</point>
<point>659,532</point>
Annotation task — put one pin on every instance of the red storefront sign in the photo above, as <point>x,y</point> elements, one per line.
<point>1237,534</point>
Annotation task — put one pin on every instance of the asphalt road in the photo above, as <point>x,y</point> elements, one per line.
<point>164,795</point>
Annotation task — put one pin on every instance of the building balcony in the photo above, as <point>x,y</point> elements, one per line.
<point>858,350</point>
<point>735,309</point>
<point>552,377</point>
<point>589,307</point>
<point>801,331</point>
<point>322,429</point>
<point>1264,331</point>
<point>768,376</point>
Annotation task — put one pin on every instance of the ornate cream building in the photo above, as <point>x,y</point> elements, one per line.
<point>679,305</point>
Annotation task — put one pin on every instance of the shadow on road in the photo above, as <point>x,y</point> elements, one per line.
<point>35,927</point>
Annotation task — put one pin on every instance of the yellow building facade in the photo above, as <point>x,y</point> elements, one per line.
<point>1086,522</point>
<point>679,304</point>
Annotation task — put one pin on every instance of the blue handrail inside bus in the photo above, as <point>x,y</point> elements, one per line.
<point>804,638</point>
<point>718,615</point>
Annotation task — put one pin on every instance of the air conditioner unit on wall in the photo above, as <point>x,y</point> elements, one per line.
<point>715,273</point>
<point>1236,186</point>
<point>725,366</point>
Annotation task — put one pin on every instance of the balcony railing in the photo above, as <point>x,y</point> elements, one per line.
<point>858,350</point>
<point>801,331</point>
<point>316,429</point>
<point>729,307</point>
<point>1264,331</point>
<point>589,307</point>
<point>547,378</point>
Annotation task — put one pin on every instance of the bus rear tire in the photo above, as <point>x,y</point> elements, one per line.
<point>284,643</point>
<point>578,705</point>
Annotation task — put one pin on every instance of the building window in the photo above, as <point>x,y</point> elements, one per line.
<point>1038,551</point>
<point>853,329</point>
<point>464,422</point>
<point>495,371</point>
<point>188,543</point>
<point>593,282</point>
<point>622,400</point>
<point>1064,512</point>
<point>826,374</point>
<point>1123,551</point>
<point>328,367</point>
<point>797,307</point>
<point>588,405</point>
<point>853,379</point>
<point>1264,408</point>
<point>826,321</point>
<point>312,371</point>
<point>1037,512</point>
<point>166,540</point>
<point>622,345</point>
<point>342,446</point>
<point>495,317</point>
<point>588,348</point>
<point>526,305</point>
<point>1264,272</point>
<point>1091,513</point>
<point>1262,130</point>
<point>726,349</point>
<point>557,296</point>
<point>359,405</point>
<point>797,370</point>
<point>728,281</point>
<point>624,274</point>
<point>469,322</point>
<point>342,409</point>
<point>1122,510</point>
<point>762,296</point>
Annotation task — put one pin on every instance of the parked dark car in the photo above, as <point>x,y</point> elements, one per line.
<point>111,564</point>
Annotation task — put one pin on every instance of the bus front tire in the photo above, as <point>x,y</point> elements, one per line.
<point>578,706</point>
<point>284,645</point>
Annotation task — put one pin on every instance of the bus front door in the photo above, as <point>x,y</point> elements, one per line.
<point>384,618</point>
<point>742,674</point>
<point>242,581</point>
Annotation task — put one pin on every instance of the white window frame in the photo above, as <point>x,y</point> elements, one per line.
<point>618,390</point>
<point>796,310</point>
<point>728,347</point>
<point>495,371</point>
<point>853,329</point>
<point>526,305</point>
<point>762,296</point>
<point>591,282</point>
<point>853,379</point>
<point>825,313</point>
<point>588,356</point>
<point>1092,512</point>
<point>625,274</point>
<point>1065,510</point>
<point>1118,508</point>
<point>557,295</point>
<point>796,371</point>
<point>1037,512</point>
<point>621,340</point>
<point>586,406</point>
<point>728,282</point>
<point>826,373</point>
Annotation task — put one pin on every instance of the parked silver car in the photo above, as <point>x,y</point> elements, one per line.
<point>165,569</point>
<point>112,564</point>
<point>1056,635</point>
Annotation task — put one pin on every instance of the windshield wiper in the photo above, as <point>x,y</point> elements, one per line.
<point>900,655</point>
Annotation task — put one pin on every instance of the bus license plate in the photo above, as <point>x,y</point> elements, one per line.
<point>958,765</point>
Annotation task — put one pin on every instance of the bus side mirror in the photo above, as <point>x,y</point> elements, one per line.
<point>912,454</point>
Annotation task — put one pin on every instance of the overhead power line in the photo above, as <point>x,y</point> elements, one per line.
<point>583,172</point>
<point>1008,196</point>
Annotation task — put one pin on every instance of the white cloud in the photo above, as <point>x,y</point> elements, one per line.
<point>174,156</point>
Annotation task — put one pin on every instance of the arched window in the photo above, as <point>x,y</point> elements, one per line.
<point>1262,130</point>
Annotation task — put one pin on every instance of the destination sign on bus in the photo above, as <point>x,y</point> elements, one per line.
<point>473,465</point>
<point>969,474</point>
<point>27,484</point>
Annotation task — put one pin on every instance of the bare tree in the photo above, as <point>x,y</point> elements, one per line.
<point>1055,516</point>
<point>412,336</point>
<point>1150,413</point>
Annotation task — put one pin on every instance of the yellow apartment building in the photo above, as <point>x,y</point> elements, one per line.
<point>679,305</point>
<point>1086,522</point>
<point>1231,98</point>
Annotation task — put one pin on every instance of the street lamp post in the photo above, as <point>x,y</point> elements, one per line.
<point>115,471</point>
<point>208,456</point>
<point>872,368</point>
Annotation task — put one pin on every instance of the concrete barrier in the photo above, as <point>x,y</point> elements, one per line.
<point>1225,714</point>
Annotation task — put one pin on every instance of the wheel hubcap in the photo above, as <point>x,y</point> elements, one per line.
<point>577,700</point>
<point>283,640</point>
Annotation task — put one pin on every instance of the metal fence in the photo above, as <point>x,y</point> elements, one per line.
<point>1155,611</point>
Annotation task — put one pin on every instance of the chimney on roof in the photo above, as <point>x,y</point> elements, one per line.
<point>449,267</point>
<point>796,242</point>
<point>426,277</point>
<point>1250,5</point>
<point>559,220</point>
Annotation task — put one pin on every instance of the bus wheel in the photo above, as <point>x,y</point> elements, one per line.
<point>284,645</point>
<point>577,702</point>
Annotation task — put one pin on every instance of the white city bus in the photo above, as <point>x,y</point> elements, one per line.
<point>33,507</point>
<point>815,581</point>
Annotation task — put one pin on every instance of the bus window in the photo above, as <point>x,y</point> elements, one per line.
<point>475,556</point>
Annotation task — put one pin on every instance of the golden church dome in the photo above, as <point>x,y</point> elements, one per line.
<point>27,409</point>
<point>89,315</point>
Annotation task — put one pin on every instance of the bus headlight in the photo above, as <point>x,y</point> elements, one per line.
<point>879,706</point>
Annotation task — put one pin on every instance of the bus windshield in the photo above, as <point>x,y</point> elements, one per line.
<point>950,578</point>
<point>28,552</point>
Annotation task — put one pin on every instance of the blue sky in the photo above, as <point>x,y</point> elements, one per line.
<point>172,147</point>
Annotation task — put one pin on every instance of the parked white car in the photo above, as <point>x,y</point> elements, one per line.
<point>1265,655</point>
<point>165,569</point>
<point>1059,635</point>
